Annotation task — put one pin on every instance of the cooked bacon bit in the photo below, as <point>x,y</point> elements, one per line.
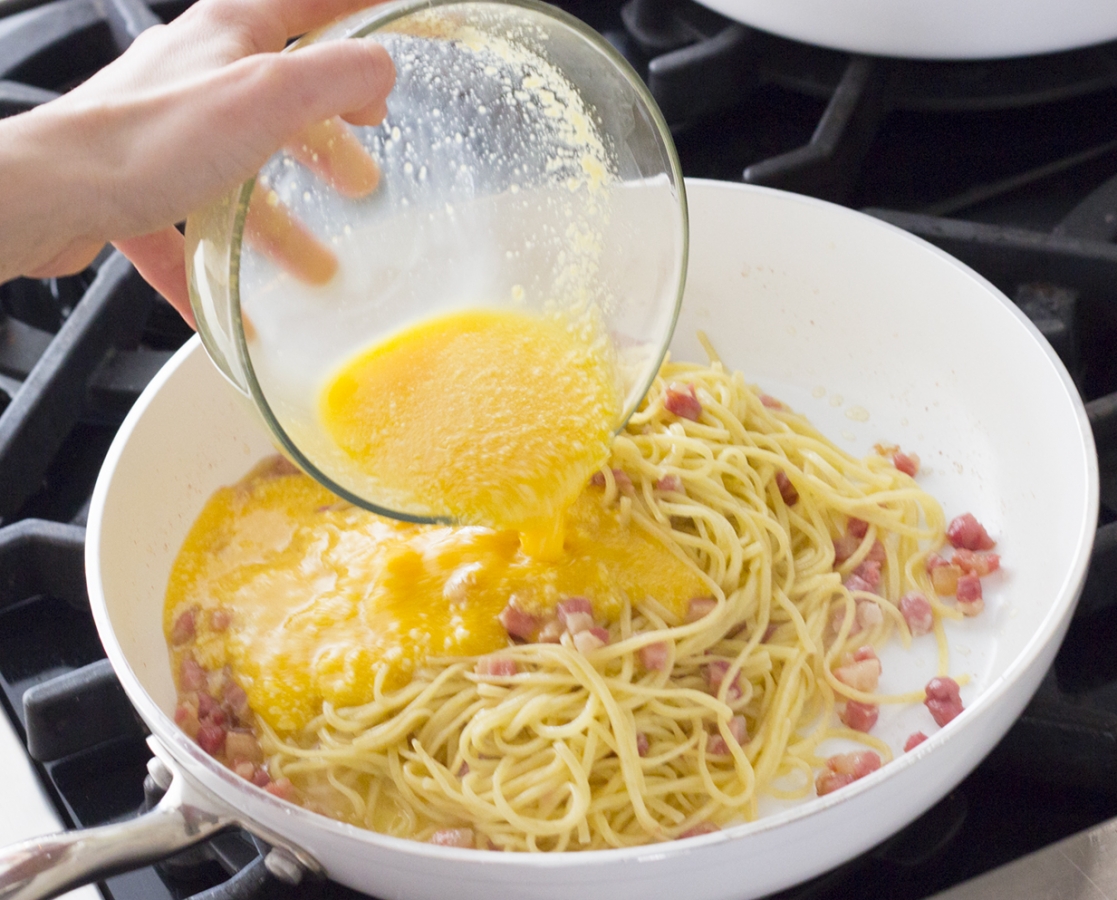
<point>859,763</point>
<point>827,782</point>
<point>916,610</point>
<point>453,837</point>
<point>739,729</point>
<point>869,614</point>
<point>876,553</point>
<point>245,770</point>
<point>908,463</point>
<point>945,579</point>
<point>641,744</point>
<point>234,699</point>
<point>463,770</point>
<point>857,583</point>
<point>787,489</point>
<point>209,710</point>
<point>865,652</point>
<point>715,673</point>
<point>260,777</point>
<point>183,629</point>
<point>859,716</point>
<point>281,788</point>
<point>576,614</point>
<point>944,699</point>
<point>517,622</point>
<point>978,563</point>
<point>770,402</point>
<point>699,608</point>
<point>844,547</point>
<point>699,829</point>
<point>186,718</point>
<point>966,532</point>
<point>682,401</point>
<point>591,639</point>
<point>496,666</point>
<point>861,674</point>
<point>670,484</point>
<point>969,597</point>
<point>769,632</point>
<point>837,616</point>
<point>869,572</point>
<point>716,746</point>
<point>653,657</point>
<point>211,738</point>
<point>191,676</point>
<point>220,619</point>
<point>624,483</point>
<point>857,527</point>
<point>551,632</point>
<point>845,768</point>
<point>620,477</point>
<point>914,740</point>
<point>934,561</point>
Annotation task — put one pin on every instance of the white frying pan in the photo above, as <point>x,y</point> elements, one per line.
<point>874,334</point>
<point>932,29</point>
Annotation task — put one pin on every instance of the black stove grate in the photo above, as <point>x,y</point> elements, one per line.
<point>1011,166</point>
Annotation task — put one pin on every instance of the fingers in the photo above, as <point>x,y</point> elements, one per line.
<point>332,152</point>
<point>267,25</point>
<point>158,257</point>
<point>271,229</point>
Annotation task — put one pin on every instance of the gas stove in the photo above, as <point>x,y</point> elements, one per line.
<point>1009,165</point>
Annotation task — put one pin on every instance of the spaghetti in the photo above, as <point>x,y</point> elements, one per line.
<point>597,725</point>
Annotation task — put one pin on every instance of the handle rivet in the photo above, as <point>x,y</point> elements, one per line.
<point>283,866</point>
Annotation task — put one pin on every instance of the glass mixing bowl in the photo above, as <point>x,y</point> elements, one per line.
<point>522,165</point>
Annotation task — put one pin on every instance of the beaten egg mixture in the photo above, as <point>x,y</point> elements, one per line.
<point>316,597</point>
<point>494,417</point>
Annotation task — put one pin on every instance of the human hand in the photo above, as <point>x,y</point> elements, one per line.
<point>189,111</point>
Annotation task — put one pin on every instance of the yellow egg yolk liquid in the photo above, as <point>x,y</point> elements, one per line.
<point>318,599</point>
<point>494,417</point>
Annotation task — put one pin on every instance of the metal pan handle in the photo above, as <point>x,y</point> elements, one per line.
<point>188,813</point>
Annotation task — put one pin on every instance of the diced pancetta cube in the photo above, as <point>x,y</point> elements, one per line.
<point>576,614</point>
<point>914,740</point>
<point>699,608</point>
<point>844,547</point>
<point>857,763</point>
<point>869,614</point>
<point>966,532</point>
<point>857,583</point>
<point>827,782</point>
<point>669,484</point>
<point>916,610</point>
<point>191,676</point>
<point>908,463</point>
<point>859,716</point>
<point>186,718</point>
<point>682,401</point>
<point>869,572</point>
<point>654,656</point>
<point>220,618</point>
<point>857,527</point>
<point>968,594</point>
<point>242,746</point>
<point>944,579</point>
<point>183,629</point>
<point>862,675</point>
<point>787,490</point>
<point>641,744</point>
<point>281,788</point>
<point>715,673</point>
<point>496,666</point>
<point>518,622</point>
<point>943,700</point>
<point>211,738</point>
<point>976,562</point>
<point>591,639</point>
<point>551,632</point>
<point>739,729</point>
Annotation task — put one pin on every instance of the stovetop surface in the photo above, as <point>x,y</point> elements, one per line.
<point>1011,166</point>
